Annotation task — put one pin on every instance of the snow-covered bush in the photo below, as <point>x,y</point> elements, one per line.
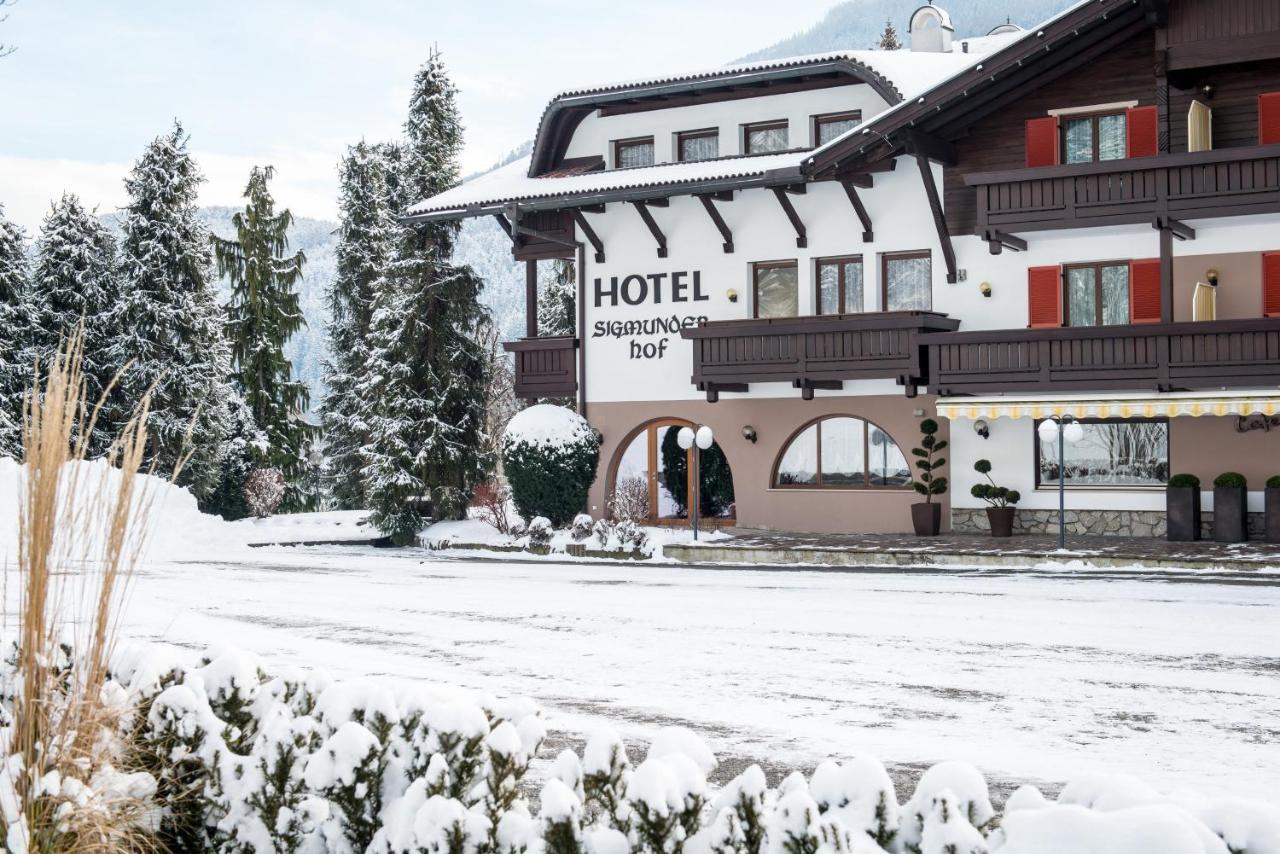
<point>630,499</point>
<point>263,491</point>
<point>602,530</point>
<point>540,531</point>
<point>549,455</point>
<point>581,527</point>
<point>491,500</point>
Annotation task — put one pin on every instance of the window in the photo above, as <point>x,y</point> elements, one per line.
<point>830,126</point>
<point>1097,294</point>
<point>763,137</point>
<point>633,152</point>
<point>1086,139</point>
<point>777,289</point>
<point>841,452</point>
<point>907,281</point>
<point>698,144</point>
<point>1113,453</point>
<point>839,285</point>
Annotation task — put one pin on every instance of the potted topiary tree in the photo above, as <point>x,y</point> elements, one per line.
<point>1000,500</point>
<point>1230,508</point>
<point>1182,508</point>
<point>1272,493</point>
<point>926,516</point>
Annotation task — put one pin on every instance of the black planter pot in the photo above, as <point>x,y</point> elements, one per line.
<point>1273,514</point>
<point>1230,519</point>
<point>926,518</point>
<point>1001,520</point>
<point>1182,513</point>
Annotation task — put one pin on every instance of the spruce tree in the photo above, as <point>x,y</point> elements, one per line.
<point>77,277</point>
<point>262,315</point>
<point>889,38</point>
<point>558,300</point>
<point>15,327</point>
<point>367,236</point>
<point>428,371</point>
<point>168,322</point>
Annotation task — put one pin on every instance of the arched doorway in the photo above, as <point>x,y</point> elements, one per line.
<point>651,478</point>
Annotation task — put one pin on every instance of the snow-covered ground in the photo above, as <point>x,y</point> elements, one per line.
<point>1039,678</point>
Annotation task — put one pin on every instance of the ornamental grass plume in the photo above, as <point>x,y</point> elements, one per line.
<point>67,783</point>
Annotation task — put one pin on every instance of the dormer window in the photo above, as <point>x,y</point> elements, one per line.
<point>832,125</point>
<point>698,144</point>
<point>764,137</point>
<point>632,152</point>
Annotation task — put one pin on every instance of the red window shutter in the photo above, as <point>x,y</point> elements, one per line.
<point>1144,291</point>
<point>1141,132</point>
<point>1042,142</point>
<point>1268,118</point>
<point>1044,297</point>
<point>1271,284</point>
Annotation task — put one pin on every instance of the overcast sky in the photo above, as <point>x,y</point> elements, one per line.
<point>293,82</point>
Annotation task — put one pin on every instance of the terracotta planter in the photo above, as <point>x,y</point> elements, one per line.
<point>926,518</point>
<point>1273,513</point>
<point>1230,519</point>
<point>1001,520</point>
<point>1182,513</point>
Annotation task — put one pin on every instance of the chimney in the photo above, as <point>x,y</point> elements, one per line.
<point>931,30</point>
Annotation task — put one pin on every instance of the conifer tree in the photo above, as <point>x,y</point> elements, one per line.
<point>262,315</point>
<point>77,277</point>
<point>15,327</point>
<point>428,372</point>
<point>558,300</point>
<point>367,236</point>
<point>889,38</point>
<point>168,321</point>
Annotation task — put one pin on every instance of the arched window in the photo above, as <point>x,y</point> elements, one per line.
<point>841,452</point>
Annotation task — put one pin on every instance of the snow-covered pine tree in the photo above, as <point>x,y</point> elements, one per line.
<point>262,315</point>
<point>15,327</point>
<point>367,236</point>
<point>77,276</point>
<point>428,370</point>
<point>168,321</point>
<point>889,38</point>
<point>558,301</point>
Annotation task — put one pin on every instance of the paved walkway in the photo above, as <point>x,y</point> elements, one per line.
<point>778,547</point>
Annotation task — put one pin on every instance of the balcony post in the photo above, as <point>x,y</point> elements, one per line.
<point>1166,272</point>
<point>531,299</point>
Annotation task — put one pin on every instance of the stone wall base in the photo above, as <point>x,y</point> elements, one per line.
<point>1115,523</point>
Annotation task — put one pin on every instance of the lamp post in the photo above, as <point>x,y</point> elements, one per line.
<point>699,440</point>
<point>1061,429</point>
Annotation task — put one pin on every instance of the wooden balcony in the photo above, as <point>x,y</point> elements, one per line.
<point>813,352</point>
<point>1163,357</point>
<point>1227,182</point>
<point>545,367</point>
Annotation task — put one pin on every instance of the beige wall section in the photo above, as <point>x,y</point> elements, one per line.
<point>775,420</point>
<point>1239,283</point>
<point>1208,446</point>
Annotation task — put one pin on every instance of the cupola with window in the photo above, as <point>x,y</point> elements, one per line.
<point>931,30</point>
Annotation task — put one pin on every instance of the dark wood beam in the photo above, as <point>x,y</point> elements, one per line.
<point>1180,229</point>
<point>851,190</point>
<point>797,189</point>
<point>661,202</point>
<point>802,237</point>
<point>997,240</point>
<point>709,206</point>
<point>939,220</point>
<point>713,390</point>
<point>530,299</point>
<point>506,225</point>
<point>1166,275</point>
<point>866,181</point>
<point>923,145</point>
<point>591,208</point>
<point>720,196</point>
<point>643,209</point>
<point>590,234</point>
<point>807,386</point>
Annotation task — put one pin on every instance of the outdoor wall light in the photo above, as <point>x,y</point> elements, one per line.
<point>1211,276</point>
<point>749,433</point>
<point>1207,90</point>
<point>985,287</point>
<point>982,428</point>
<point>732,295</point>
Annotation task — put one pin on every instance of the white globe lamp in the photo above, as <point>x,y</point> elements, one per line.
<point>1048,431</point>
<point>704,437</point>
<point>1072,433</point>
<point>685,438</point>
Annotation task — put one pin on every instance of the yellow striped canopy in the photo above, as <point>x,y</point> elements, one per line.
<point>1168,406</point>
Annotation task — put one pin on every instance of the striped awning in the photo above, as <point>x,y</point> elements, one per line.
<point>1132,406</point>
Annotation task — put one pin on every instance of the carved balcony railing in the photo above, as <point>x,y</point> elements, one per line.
<point>545,367</point>
<point>1163,357</point>
<point>813,352</point>
<point>1225,182</point>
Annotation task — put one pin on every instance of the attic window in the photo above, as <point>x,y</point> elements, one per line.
<point>832,125</point>
<point>632,152</point>
<point>764,137</point>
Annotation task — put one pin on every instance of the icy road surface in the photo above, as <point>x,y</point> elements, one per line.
<point>1029,677</point>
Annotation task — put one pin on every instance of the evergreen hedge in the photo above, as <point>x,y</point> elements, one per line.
<point>549,456</point>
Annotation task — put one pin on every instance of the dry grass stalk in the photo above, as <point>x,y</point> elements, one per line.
<point>77,547</point>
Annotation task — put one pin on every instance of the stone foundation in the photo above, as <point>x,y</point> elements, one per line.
<point>1114,523</point>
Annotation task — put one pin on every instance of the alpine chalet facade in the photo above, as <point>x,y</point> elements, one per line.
<point>812,255</point>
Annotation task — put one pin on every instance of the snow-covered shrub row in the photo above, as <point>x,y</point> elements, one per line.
<point>549,456</point>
